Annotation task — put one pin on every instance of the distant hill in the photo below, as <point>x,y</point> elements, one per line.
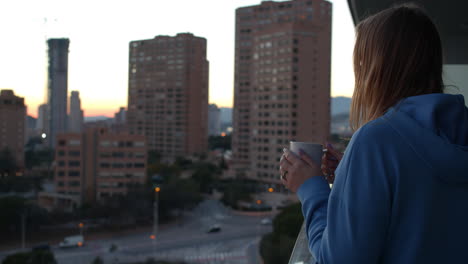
<point>95,118</point>
<point>340,105</point>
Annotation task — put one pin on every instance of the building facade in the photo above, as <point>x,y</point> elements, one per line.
<point>282,82</point>
<point>96,164</point>
<point>168,94</point>
<point>214,120</point>
<point>57,88</point>
<point>12,125</point>
<point>75,120</point>
<point>41,124</point>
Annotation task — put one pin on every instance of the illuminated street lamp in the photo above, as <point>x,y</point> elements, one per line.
<point>271,190</point>
<point>81,225</point>
<point>259,201</point>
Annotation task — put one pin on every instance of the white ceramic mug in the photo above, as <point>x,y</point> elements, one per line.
<point>314,150</point>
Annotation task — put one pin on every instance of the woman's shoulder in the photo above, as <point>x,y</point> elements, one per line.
<point>377,131</point>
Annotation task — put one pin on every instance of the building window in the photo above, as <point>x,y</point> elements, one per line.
<point>73,173</point>
<point>105,165</point>
<point>74,183</point>
<point>61,153</point>
<point>118,165</point>
<point>61,163</point>
<point>74,142</point>
<point>61,143</point>
<point>60,173</point>
<point>74,153</point>
<point>73,163</point>
<point>139,165</point>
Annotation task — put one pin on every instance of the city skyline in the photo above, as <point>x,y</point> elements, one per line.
<point>99,47</point>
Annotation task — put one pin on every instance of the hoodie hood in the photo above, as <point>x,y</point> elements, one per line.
<point>436,126</point>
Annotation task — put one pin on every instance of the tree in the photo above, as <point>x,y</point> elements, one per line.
<point>276,247</point>
<point>235,192</point>
<point>220,142</point>
<point>11,210</point>
<point>8,166</point>
<point>97,260</point>
<point>33,257</point>
<point>204,174</point>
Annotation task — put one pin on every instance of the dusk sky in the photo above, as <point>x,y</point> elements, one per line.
<point>100,31</point>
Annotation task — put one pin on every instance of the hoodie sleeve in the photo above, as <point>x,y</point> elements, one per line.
<point>350,224</point>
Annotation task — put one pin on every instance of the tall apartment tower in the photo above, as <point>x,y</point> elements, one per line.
<point>41,124</point>
<point>214,121</point>
<point>57,88</point>
<point>282,82</point>
<point>75,119</point>
<point>12,125</point>
<point>168,94</point>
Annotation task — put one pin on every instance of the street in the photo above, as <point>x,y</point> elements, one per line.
<point>188,241</point>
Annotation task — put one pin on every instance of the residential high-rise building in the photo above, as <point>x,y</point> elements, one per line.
<point>41,124</point>
<point>168,94</point>
<point>214,121</point>
<point>96,164</point>
<point>120,116</point>
<point>282,82</point>
<point>75,119</point>
<point>12,125</point>
<point>57,88</point>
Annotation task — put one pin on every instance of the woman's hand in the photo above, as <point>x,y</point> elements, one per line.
<point>330,161</point>
<point>296,170</point>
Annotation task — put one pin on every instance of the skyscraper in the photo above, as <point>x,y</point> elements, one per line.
<point>57,88</point>
<point>214,122</point>
<point>282,82</point>
<point>41,124</point>
<point>75,120</point>
<point>12,125</point>
<point>168,94</point>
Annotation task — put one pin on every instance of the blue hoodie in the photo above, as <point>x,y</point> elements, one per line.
<point>401,190</point>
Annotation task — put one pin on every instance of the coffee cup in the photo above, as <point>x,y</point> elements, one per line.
<point>313,150</point>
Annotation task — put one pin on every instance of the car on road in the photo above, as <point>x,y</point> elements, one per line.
<point>214,228</point>
<point>72,241</point>
<point>266,221</point>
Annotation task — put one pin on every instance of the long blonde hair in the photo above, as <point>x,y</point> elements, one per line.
<point>397,54</point>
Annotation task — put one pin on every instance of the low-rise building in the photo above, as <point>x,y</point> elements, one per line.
<point>96,164</point>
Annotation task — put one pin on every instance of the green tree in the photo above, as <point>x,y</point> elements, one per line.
<point>97,260</point>
<point>219,142</point>
<point>33,257</point>
<point>8,166</point>
<point>12,208</point>
<point>235,192</point>
<point>276,247</point>
<point>205,174</point>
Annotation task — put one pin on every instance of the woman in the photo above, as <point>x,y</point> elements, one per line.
<point>401,190</point>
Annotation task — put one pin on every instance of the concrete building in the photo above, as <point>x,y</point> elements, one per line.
<point>214,120</point>
<point>75,120</point>
<point>168,94</point>
<point>57,88</point>
<point>97,164</point>
<point>41,123</point>
<point>282,82</point>
<point>12,125</point>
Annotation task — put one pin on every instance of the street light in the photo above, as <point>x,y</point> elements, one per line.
<point>81,225</point>
<point>271,190</point>
<point>157,189</point>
